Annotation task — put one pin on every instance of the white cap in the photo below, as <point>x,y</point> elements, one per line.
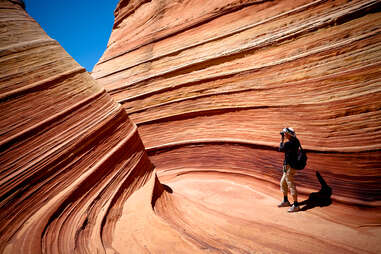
<point>290,131</point>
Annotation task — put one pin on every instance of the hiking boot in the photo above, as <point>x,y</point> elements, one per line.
<point>293,208</point>
<point>284,204</point>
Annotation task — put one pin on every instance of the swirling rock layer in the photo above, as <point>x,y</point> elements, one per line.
<point>69,154</point>
<point>211,84</point>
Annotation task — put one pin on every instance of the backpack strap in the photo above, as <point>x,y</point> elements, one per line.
<point>300,145</point>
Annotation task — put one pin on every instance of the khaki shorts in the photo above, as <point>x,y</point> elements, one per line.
<point>287,181</point>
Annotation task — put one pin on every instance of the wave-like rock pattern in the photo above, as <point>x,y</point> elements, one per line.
<point>236,72</point>
<point>69,154</point>
<point>211,84</point>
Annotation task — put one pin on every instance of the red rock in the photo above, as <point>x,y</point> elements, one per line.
<point>211,84</point>
<point>69,154</point>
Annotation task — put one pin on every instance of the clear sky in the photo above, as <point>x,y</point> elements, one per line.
<point>82,27</point>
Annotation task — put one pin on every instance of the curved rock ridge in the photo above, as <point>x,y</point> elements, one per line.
<point>211,83</point>
<point>209,87</point>
<point>237,72</point>
<point>69,155</point>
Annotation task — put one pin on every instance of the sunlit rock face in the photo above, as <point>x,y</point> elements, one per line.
<point>69,155</point>
<point>211,83</point>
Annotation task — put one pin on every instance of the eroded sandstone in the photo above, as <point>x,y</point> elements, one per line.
<point>69,154</point>
<point>210,85</point>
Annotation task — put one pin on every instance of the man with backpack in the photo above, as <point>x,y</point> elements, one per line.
<point>290,164</point>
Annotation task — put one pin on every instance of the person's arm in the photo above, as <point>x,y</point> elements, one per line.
<point>282,145</point>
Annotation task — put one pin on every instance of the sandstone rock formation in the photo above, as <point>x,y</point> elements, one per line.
<point>208,86</point>
<point>211,83</point>
<point>69,154</point>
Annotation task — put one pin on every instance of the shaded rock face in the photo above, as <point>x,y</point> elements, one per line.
<point>69,154</point>
<point>211,83</point>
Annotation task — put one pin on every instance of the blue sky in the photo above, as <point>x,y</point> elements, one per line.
<point>82,27</point>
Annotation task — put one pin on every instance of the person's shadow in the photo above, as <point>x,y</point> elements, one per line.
<point>320,198</point>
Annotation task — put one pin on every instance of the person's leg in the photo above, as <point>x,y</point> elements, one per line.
<point>284,187</point>
<point>290,182</point>
<point>295,198</point>
<point>284,190</point>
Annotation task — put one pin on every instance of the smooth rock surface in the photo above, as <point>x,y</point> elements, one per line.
<point>211,83</point>
<point>209,86</point>
<point>69,154</point>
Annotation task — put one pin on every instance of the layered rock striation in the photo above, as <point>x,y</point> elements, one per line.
<point>234,73</point>
<point>69,154</point>
<point>211,84</point>
<point>208,86</point>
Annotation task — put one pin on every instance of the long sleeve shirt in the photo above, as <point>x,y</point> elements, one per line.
<point>290,149</point>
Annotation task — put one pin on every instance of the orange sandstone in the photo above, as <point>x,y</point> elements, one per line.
<point>208,86</point>
<point>211,84</point>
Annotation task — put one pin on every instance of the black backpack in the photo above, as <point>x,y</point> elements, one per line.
<point>301,160</point>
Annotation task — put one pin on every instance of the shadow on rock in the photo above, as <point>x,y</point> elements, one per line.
<point>158,190</point>
<point>167,188</point>
<point>320,198</point>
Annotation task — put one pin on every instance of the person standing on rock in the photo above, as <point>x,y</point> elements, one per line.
<point>290,149</point>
